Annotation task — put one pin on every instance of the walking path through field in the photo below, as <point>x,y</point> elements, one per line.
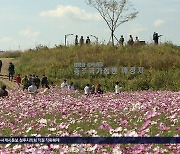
<point>4,72</point>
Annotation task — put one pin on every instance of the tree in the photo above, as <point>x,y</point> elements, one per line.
<point>114,12</point>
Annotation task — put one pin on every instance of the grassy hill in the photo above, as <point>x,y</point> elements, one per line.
<point>161,65</point>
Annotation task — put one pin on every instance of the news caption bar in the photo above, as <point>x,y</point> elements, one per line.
<point>89,140</point>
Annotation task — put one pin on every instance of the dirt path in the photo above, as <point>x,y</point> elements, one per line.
<point>4,71</point>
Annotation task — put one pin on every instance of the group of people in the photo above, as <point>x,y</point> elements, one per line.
<point>131,41</point>
<point>32,84</point>
<point>27,81</point>
<point>65,85</point>
<point>89,90</point>
<point>81,40</point>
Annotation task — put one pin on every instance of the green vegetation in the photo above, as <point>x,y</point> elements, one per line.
<point>8,54</point>
<point>161,65</point>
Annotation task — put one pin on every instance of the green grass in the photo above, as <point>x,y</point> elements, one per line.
<point>161,65</point>
<point>11,54</point>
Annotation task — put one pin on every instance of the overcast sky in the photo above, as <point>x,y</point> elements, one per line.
<point>26,23</point>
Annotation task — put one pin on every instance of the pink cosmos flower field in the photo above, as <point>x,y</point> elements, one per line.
<point>62,113</point>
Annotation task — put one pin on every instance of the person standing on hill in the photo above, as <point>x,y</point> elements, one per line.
<point>76,40</point>
<point>88,41</point>
<point>136,42</point>
<point>81,41</point>
<point>0,65</point>
<point>130,41</point>
<point>156,38</point>
<point>11,71</point>
<point>121,40</point>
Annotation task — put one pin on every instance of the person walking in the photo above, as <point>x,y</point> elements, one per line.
<point>11,71</point>
<point>0,65</point>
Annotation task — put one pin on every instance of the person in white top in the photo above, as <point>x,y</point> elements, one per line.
<point>64,84</point>
<point>136,41</point>
<point>46,90</point>
<point>87,90</point>
<point>117,88</point>
<point>32,89</point>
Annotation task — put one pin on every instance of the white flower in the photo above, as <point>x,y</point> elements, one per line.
<point>28,129</point>
<point>74,149</point>
<point>131,134</point>
<point>176,135</point>
<point>56,146</point>
<point>92,148</point>
<point>7,145</point>
<point>116,135</point>
<point>16,147</point>
<point>52,129</point>
<point>111,131</point>
<point>43,121</point>
<point>118,129</point>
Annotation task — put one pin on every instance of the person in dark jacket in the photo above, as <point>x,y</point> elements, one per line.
<point>44,81</point>
<point>37,81</point>
<point>3,92</point>
<point>0,65</point>
<point>11,71</point>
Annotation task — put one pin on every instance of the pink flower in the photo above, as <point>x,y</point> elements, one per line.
<point>124,123</point>
<point>163,127</point>
<point>145,125</point>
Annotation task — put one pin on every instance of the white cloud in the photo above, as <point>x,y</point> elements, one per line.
<point>70,11</point>
<point>7,39</point>
<point>29,33</point>
<point>137,29</point>
<point>159,22</point>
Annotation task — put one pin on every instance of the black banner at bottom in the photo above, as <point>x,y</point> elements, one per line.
<point>89,140</point>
